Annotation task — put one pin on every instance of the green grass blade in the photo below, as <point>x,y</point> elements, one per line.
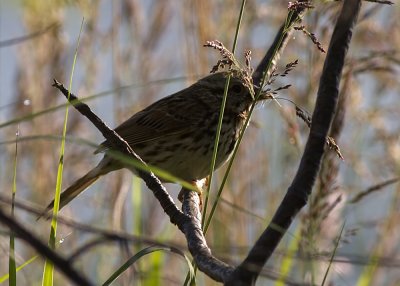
<point>48,266</point>
<point>188,279</point>
<point>263,82</point>
<point>333,254</point>
<point>215,150</point>
<point>7,276</point>
<point>12,270</point>
<point>162,174</point>
<point>221,116</point>
<point>216,142</point>
<point>26,263</point>
<point>143,253</point>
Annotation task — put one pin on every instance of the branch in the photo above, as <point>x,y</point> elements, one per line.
<point>216,269</point>
<point>297,194</point>
<point>119,144</point>
<point>63,265</point>
<point>281,39</point>
<point>188,221</point>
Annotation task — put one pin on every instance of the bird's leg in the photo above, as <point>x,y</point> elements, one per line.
<point>198,185</point>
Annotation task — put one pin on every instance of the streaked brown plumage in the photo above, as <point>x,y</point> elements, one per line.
<point>177,133</point>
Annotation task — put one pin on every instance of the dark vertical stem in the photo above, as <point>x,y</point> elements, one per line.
<point>297,194</point>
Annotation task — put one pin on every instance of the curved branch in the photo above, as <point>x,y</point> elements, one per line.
<point>297,194</point>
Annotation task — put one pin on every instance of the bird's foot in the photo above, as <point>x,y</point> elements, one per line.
<point>198,188</point>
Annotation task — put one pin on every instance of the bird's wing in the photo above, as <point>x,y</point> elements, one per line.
<point>161,119</point>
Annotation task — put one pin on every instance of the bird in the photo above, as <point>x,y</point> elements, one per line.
<point>177,133</point>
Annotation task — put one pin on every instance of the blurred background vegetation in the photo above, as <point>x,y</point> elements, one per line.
<point>154,48</point>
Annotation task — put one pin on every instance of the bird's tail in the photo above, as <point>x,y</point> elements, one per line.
<point>79,186</point>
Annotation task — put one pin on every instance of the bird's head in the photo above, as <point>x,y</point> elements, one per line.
<point>241,92</point>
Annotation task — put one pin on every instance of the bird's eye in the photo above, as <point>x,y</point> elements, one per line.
<point>237,88</point>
